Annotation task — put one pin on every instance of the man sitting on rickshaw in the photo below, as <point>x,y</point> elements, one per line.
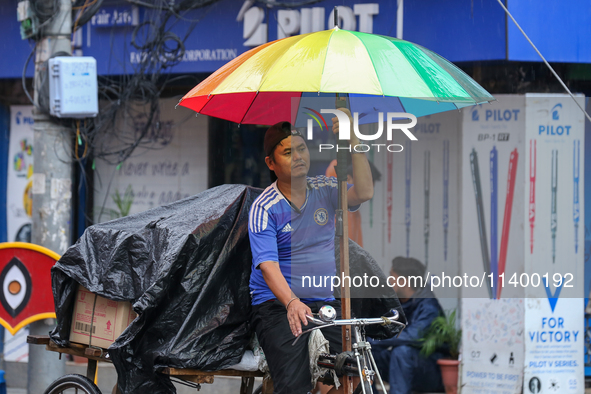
<point>291,229</point>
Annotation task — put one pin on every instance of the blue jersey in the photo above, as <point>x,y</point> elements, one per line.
<point>302,241</point>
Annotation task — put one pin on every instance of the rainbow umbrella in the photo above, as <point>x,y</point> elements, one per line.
<point>259,86</point>
<point>268,84</point>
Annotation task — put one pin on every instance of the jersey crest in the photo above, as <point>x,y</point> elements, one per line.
<point>321,216</point>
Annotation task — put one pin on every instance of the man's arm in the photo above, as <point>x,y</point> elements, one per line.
<point>362,189</point>
<point>262,232</point>
<point>296,310</point>
<point>421,320</point>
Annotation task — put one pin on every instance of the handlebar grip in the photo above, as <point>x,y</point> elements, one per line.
<point>315,320</point>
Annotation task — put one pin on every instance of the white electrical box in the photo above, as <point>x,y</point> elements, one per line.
<point>73,87</point>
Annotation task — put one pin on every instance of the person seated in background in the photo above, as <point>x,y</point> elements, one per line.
<point>398,359</point>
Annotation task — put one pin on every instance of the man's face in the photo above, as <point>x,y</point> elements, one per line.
<point>403,292</point>
<point>291,159</point>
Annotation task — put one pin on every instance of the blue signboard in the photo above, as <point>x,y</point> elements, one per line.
<point>459,30</point>
<point>110,16</point>
<point>13,50</point>
<point>560,30</point>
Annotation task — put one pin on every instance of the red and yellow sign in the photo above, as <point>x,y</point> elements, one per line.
<point>25,284</point>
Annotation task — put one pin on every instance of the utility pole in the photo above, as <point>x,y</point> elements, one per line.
<point>52,182</point>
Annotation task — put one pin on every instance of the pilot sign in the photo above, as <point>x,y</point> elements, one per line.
<point>25,280</point>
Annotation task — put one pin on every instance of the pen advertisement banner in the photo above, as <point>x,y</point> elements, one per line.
<point>19,202</point>
<point>492,238</point>
<point>554,247</point>
<point>492,192</point>
<point>493,345</point>
<point>415,209</point>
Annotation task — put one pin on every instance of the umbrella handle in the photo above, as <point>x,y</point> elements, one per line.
<point>343,146</point>
<point>340,102</point>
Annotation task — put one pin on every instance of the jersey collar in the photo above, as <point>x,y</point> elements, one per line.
<point>292,205</point>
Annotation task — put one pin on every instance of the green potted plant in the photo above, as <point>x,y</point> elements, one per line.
<point>443,332</point>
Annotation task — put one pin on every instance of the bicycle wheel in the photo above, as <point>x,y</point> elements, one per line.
<point>72,384</point>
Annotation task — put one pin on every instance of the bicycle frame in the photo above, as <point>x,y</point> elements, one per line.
<point>366,364</point>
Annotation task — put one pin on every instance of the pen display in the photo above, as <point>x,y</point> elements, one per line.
<point>480,214</point>
<point>427,185</point>
<point>554,191</point>
<point>511,176</point>
<point>407,174</point>
<point>390,165</point>
<point>493,217</point>
<point>532,193</point>
<point>445,196</point>
<point>576,208</point>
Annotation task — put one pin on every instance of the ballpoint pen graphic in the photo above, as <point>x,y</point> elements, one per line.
<point>576,212</point>
<point>445,196</point>
<point>493,218</point>
<point>407,166</point>
<point>371,159</point>
<point>532,193</point>
<point>480,214</point>
<point>554,187</point>
<point>390,159</point>
<point>511,176</point>
<point>427,186</point>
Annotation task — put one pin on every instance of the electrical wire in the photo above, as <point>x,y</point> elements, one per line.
<point>87,12</point>
<point>128,122</point>
<point>82,7</point>
<point>545,61</point>
<point>288,4</point>
<point>79,15</point>
<point>134,98</point>
<point>24,79</point>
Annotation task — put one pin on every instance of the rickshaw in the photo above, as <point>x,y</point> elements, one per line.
<point>359,362</point>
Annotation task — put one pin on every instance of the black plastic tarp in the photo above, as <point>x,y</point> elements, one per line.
<point>185,267</point>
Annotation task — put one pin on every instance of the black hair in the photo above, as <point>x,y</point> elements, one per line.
<point>407,266</point>
<point>271,156</point>
<point>272,153</point>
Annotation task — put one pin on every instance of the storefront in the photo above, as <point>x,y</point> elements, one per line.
<point>181,154</point>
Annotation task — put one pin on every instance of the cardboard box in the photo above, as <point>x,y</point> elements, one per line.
<point>110,319</point>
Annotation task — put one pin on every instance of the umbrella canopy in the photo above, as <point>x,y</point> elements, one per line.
<point>258,87</point>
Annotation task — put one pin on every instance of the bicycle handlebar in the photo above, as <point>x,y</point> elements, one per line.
<point>364,321</point>
<point>384,320</point>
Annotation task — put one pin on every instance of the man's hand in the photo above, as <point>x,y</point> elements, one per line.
<point>296,315</point>
<point>335,125</point>
<point>362,189</point>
